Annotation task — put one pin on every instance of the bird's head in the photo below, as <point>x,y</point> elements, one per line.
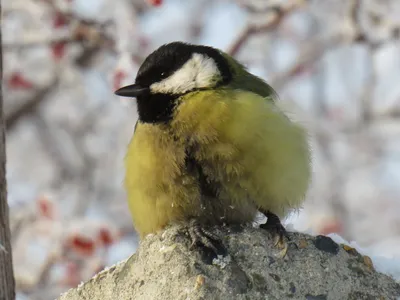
<point>172,71</point>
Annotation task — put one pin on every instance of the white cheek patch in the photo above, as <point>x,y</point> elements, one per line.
<point>199,71</point>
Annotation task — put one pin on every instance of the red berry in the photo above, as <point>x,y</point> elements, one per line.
<point>82,245</point>
<point>17,81</point>
<point>155,2</point>
<point>46,208</point>
<point>60,20</point>
<point>58,50</point>
<point>105,237</point>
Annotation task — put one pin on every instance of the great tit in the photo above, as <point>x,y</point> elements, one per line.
<point>210,146</point>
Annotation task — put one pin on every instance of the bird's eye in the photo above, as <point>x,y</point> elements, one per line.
<point>162,74</point>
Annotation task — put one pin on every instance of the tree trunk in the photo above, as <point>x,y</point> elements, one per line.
<point>7,283</point>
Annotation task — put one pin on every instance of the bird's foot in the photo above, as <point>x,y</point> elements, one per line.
<point>207,242</point>
<point>276,229</point>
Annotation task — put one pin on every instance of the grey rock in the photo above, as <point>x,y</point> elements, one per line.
<point>165,268</point>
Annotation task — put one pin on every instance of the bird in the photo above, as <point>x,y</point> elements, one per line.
<point>210,147</point>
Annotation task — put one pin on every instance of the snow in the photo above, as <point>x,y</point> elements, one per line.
<point>388,263</point>
<point>384,254</point>
<point>72,147</point>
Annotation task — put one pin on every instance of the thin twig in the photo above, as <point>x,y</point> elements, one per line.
<point>307,57</point>
<point>276,15</point>
<point>265,7</point>
<point>79,33</point>
<point>79,30</point>
<point>52,146</point>
<point>38,42</point>
<point>368,92</point>
<point>12,118</point>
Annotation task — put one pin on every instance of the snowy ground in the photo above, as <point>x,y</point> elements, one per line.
<point>68,212</point>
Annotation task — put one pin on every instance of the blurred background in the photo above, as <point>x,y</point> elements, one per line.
<point>334,63</point>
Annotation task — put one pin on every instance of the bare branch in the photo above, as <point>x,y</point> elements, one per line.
<point>89,32</point>
<point>307,57</point>
<point>28,106</point>
<point>276,15</point>
<point>80,32</point>
<point>38,42</point>
<point>7,281</point>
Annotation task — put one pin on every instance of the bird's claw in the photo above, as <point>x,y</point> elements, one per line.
<point>280,243</point>
<point>208,242</point>
<point>279,233</point>
<point>202,237</point>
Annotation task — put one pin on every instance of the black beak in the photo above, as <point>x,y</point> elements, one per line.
<point>132,90</point>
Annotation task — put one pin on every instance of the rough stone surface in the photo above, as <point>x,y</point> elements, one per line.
<point>164,268</point>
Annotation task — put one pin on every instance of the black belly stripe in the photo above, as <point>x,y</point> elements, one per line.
<point>193,167</point>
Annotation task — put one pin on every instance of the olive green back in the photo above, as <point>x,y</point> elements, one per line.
<point>242,79</point>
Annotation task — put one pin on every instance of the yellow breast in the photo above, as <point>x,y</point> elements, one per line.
<point>243,142</point>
